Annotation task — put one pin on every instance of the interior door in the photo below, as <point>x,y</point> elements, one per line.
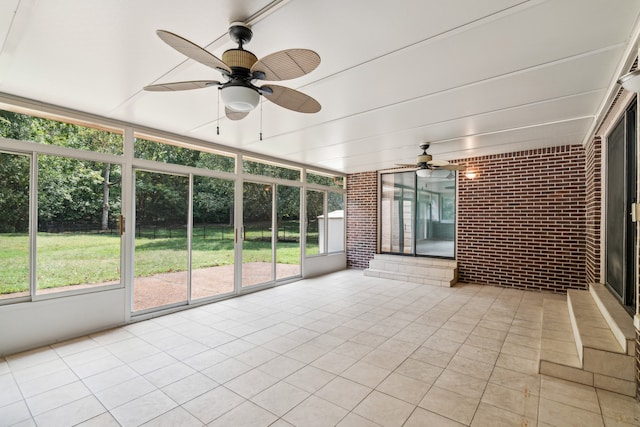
<point>620,193</point>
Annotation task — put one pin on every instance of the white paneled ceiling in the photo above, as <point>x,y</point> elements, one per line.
<point>471,77</point>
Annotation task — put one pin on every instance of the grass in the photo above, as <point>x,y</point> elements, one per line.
<point>74,259</point>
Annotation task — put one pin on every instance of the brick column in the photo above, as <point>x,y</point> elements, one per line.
<point>362,214</point>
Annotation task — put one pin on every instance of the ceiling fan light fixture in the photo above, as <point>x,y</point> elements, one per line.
<point>423,172</point>
<point>240,98</point>
<point>631,81</point>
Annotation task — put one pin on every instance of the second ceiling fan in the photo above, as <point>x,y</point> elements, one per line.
<point>241,68</point>
<point>425,164</point>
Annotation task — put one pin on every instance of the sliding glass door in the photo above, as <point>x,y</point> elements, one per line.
<point>212,237</point>
<point>257,238</point>
<point>161,261</point>
<point>435,214</point>
<point>417,214</point>
<point>288,236</point>
<point>397,212</point>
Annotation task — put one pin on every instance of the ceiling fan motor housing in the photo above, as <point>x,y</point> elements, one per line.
<point>239,59</point>
<point>424,158</point>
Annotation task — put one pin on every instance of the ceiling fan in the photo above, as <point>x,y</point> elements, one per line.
<point>425,164</point>
<point>241,68</point>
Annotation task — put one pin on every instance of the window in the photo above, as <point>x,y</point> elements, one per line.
<point>46,131</point>
<point>78,241</point>
<point>325,222</point>
<point>170,153</point>
<point>273,170</point>
<point>315,215</point>
<point>335,222</point>
<point>14,227</point>
<point>61,200</point>
<point>325,179</point>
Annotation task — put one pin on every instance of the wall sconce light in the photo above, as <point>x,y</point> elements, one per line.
<point>470,174</point>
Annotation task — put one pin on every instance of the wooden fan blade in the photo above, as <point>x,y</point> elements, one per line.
<point>406,165</point>
<point>452,167</point>
<point>291,99</point>
<point>169,87</point>
<point>192,50</point>
<point>234,115</point>
<point>287,64</point>
<point>438,163</point>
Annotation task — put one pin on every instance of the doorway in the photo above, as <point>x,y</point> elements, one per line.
<point>418,214</point>
<point>620,191</point>
<point>161,255</point>
<point>270,233</point>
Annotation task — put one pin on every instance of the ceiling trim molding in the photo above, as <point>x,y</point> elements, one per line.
<point>630,56</point>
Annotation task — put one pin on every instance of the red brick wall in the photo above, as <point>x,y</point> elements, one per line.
<point>362,213</point>
<point>593,154</point>
<point>521,221</point>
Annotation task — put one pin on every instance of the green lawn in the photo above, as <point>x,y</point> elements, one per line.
<point>72,259</point>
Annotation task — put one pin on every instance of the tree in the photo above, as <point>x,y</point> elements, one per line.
<point>69,190</point>
<point>14,193</point>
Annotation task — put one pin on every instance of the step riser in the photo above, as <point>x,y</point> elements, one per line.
<point>614,365</point>
<point>426,271</point>
<point>410,260</point>
<point>414,270</point>
<point>568,373</point>
<point>627,388</point>
<point>600,358</point>
<point>576,332</point>
<point>576,375</point>
<point>599,294</point>
<point>408,278</point>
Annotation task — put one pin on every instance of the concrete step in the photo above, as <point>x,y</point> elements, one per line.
<point>411,260</point>
<point>427,271</point>
<point>578,345</point>
<point>618,319</point>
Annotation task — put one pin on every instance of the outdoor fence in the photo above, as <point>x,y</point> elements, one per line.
<point>288,233</point>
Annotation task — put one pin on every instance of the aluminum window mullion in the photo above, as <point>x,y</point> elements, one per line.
<point>274,229</point>
<point>189,236</point>
<point>33,224</point>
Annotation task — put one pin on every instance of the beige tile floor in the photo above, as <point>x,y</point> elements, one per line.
<point>342,349</point>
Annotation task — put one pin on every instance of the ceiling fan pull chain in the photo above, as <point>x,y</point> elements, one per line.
<point>218,115</point>
<point>261,118</point>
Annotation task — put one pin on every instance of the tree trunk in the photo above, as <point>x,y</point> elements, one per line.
<point>105,198</point>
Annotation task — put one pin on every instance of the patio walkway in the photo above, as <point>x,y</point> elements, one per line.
<point>168,288</point>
